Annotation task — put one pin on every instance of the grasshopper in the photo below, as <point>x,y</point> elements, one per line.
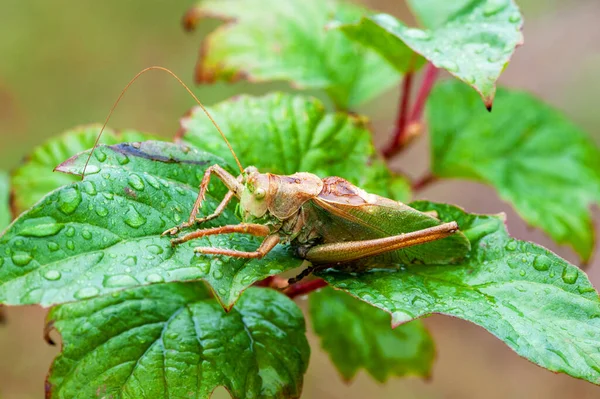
<point>329,222</point>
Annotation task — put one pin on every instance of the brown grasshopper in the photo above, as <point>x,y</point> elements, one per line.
<point>329,222</point>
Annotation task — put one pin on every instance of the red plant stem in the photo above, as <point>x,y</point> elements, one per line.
<point>301,288</point>
<point>402,119</point>
<point>431,74</point>
<point>423,182</point>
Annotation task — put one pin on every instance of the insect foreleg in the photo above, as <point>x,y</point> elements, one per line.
<point>267,245</point>
<point>231,182</point>
<point>353,250</point>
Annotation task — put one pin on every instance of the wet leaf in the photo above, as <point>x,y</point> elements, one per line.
<point>357,335</point>
<point>289,43</point>
<point>285,134</point>
<point>541,306</point>
<point>546,167</point>
<point>103,234</point>
<point>172,340</point>
<point>474,42</point>
<point>35,177</point>
<point>4,201</point>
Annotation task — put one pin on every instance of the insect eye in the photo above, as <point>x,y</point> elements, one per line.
<point>260,193</point>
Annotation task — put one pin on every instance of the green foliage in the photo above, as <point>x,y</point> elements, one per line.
<point>290,43</point>
<point>285,134</point>
<point>473,42</point>
<point>4,194</point>
<point>356,336</point>
<point>174,341</point>
<point>545,309</point>
<point>103,234</point>
<point>536,159</point>
<point>34,178</point>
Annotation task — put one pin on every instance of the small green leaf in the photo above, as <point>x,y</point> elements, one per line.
<point>538,304</point>
<point>103,234</point>
<point>290,43</point>
<point>35,178</point>
<point>5,216</point>
<point>357,335</point>
<point>474,44</point>
<point>285,134</point>
<point>537,160</point>
<point>173,341</point>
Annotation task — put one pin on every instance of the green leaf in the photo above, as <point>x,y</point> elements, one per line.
<point>290,43</point>
<point>357,335</point>
<point>537,160</point>
<point>4,201</point>
<point>474,44</point>
<point>35,178</point>
<point>173,341</point>
<point>285,134</point>
<point>103,234</point>
<point>544,308</point>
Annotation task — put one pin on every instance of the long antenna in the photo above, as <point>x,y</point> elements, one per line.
<point>143,71</point>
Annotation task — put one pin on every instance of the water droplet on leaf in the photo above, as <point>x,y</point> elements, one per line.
<point>494,7</point>
<point>154,278</point>
<point>21,258</point>
<point>570,275</point>
<point>87,234</point>
<point>417,34</point>
<point>68,200</point>
<point>136,182</point>
<point>120,280</point>
<point>134,219</point>
<point>217,274</point>
<point>41,227</point>
<point>87,293</point>
<point>53,247</point>
<point>155,249</point>
<point>101,211</point>
<point>511,245</point>
<point>100,155</point>
<point>70,245</point>
<point>542,263</point>
<point>89,188</point>
<point>52,275</point>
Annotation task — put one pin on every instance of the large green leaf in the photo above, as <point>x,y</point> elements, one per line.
<point>173,341</point>
<point>4,199</point>
<point>474,42</point>
<point>34,178</point>
<point>357,335</point>
<point>103,234</point>
<point>285,134</point>
<point>538,304</point>
<point>289,42</point>
<point>537,160</point>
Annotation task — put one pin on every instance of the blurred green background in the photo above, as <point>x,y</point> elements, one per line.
<point>64,62</point>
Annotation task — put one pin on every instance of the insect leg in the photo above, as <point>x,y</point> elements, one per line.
<point>259,230</point>
<point>267,245</point>
<point>232,183</point>
<point>354,250</point>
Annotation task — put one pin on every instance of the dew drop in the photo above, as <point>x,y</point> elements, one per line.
<point>68,200</point>
<point>136,182</point>
<point>52,275</point>
<point>130,261</point>
<point>451,66</point>
<point>513,263</point>
<point>417,34</point>
<point>494,58</point>
<point>494,7</point>
<point>569,275</point>
<point>155,249</point>
<point>217,274</point>
<point>152,181</point>
<point>41,227</point>
<point>101,211</point>
<point>177,217</point>
<point>53,247</point>
<point>248,279</point>
<point>514,18</point>
<point>542,263</point>
<point>90,188</point>
<point>87,293</point>
<point>204,267</point>
<point>134,219</point>
<point>87,234</point>
<point>180,190</point>
<point>70,232</point>
<point>511,245</point>
<point>222,291</point>
<point>91,170</point>
<point>100,155</point>
<point>21,258</point>
<point>119,280</point>
<point>154,278</point>
<point>522,273</point>
<point>108,196</point>
<point>123,159</point>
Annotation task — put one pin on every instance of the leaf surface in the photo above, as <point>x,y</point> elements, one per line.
<point>285,134</point>
<point>32,180</point>
<point>542,307</point>
<point>546,167</point>
<point>173,341</point>
<point>474,42</point>
<point>4,201</point>
<point>289,43</point>
<point>358,336</point>
<point>103,234</point>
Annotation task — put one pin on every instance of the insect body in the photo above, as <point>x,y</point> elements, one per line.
<point>329,222</point>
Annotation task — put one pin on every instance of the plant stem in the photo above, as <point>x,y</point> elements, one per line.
<point>431,74</point>
<point>301,288</point>
<point>423,182</point>
<point>402,119</point>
